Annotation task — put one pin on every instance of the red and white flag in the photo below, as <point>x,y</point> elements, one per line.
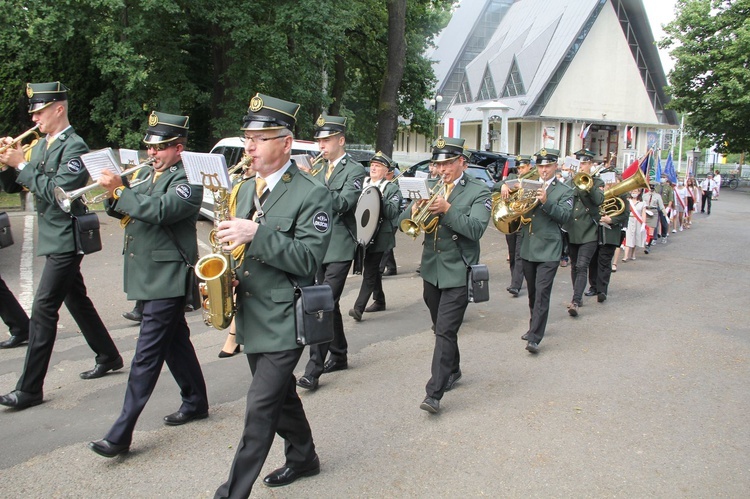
<point>584,131</point>
<point>452,128</point>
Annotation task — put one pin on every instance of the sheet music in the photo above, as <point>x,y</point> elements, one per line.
<point>208,170</point>
<point>302,160</point>
<point>98,161</point>
<point>414,188</point>
<point>532,185</point>
<point>608,177</point>
<point>419,174</point>
<point>129,157</point>
<point>513,183</point>
<point>572,163</point>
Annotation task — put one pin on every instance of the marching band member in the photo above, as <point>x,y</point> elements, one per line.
<point>289,238</point>
<point>384,239</point>
<point>583,229</point>
<point>463,213</point>
<point>159,218</point>
<point>523,164</point>
<point>541,246</point>
<point>55,162</point>
<point>343,176</point>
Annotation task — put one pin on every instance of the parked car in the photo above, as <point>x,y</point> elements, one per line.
<point>493,161</point>
<point>476,171</point>
<point>232,148</point>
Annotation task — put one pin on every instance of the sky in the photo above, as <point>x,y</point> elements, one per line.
<point>660,12</point>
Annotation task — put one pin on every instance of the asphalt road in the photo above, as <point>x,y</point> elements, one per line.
<point>642,396</point>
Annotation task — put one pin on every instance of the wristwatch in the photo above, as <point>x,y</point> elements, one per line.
<point>118,192</point>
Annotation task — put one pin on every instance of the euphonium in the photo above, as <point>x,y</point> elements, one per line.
<point>613,205</point>
<point>507,215</point>
<point>215,269</point>
<point>415,225</point>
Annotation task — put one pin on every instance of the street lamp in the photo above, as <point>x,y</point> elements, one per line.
<point>434,104</point>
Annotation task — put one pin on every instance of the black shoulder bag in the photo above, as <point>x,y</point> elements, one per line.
<point>477,278</point>
<point>193,296</point>
<point>86,233</point>
<point>6,237</point>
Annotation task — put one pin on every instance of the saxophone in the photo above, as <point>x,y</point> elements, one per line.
<point>214,269</point>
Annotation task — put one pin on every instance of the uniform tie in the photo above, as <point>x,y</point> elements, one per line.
<point>448,190</point>
<point>260,186</point>
<point>50,140</point>
<point>331,167</point>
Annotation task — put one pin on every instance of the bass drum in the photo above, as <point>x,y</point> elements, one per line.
<point>368,214</point>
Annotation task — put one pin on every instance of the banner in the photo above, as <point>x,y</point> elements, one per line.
<point>452,128</point>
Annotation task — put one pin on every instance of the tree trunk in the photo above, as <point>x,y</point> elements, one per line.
<point>388,105</point>
<point>339,80</point>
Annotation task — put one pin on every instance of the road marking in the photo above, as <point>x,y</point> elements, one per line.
<point>26,269</point>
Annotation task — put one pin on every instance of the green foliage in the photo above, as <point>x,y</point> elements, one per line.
<point>710,41</point>
<point>124,58</point>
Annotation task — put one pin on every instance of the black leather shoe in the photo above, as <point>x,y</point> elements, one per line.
<point>452,380</point>
<point>133,315</point>
<point>525,337</point>
<point>14,341</point>
<point>106,448</point>
<point>335,365</point>
<point>100,370</point>
<point>21,400</point>
<point>375,307</point>
<point>532,347</point>
<point>513,291</point>
<point>601,297</point>
<point>590,292</point>
<point>286,475</point>
<point>430,405</point>
<point>390,271</point>
<point>308,382</point>
<point>179,418</point>
<point>355,314</point>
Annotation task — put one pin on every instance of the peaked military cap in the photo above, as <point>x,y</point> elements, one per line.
<point>447,149</point>
<point>547,156</point>
<point>383,160</point>
<point>523,159</point>
<point>42,95</point>
<point>328,126</point>
<point>163,127</point>
<point>269,113</point>
<point>584,155</point>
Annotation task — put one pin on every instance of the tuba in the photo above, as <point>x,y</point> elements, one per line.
<point>215,268</point>
<point>613,205</point>
<point>507,215</point>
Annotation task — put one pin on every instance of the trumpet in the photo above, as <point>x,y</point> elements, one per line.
<point>239,169</point>
<point>318,159</point>
<point>415,225</point>
<point>65,199</point>
<point>20,138</point>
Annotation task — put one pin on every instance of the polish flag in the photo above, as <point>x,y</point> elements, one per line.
<point>584,131</point>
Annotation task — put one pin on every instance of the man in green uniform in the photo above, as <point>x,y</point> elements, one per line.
<point>343,176</point>
<point>383,240</point>
<point>462,212</point>
<point>55,162</point>
<point>283,220</point>
<point>583,227</point>
<point>541,246</point>
<point>523,164</point>
<point>159,217</point>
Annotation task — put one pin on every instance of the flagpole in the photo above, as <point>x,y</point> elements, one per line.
<point>679,160</point>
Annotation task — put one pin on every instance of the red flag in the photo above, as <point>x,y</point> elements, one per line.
<point>505,170</point>
<point>630,170</point>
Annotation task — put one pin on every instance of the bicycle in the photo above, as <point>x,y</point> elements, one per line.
<point>731,181</point>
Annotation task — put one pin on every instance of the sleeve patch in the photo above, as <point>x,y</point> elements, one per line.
<point>358,183</point>
<point>75,165</point>
<point>570,202</point>
<point>488,204</point>
<point>321,221</point>
<point>184,191</point>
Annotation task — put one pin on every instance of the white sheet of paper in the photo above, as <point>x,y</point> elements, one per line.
<point>129,157</point>
<point>513,183</point>
<point>572,163</point>
<point>414,188</point>
<point>98,161</point>
<point>532,185</point>
<point>608,177</point>
<point>208,170</point>
<point>421,175</point>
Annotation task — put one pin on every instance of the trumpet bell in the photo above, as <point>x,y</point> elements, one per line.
<point>411,228</point>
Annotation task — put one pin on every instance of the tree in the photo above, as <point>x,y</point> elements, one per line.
<point>710,83</point>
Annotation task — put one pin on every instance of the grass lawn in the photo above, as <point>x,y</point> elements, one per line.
<point>12,202</point>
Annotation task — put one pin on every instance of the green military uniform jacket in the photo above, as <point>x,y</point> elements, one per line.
<point>154,268</point>
<point>293,237</point>
<point>542,240</point>
<point>58,166</point>
<point>345,186</point>
<point>461,226</point>
<point>666,192</point>
<point>613,234</point>
<point>583,225</point>
<point>385,238</point>
<point>500,183</point>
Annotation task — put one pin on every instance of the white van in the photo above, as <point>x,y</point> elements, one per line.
<point>232,148</point>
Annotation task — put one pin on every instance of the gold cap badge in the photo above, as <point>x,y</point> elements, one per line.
<point>153,120</point>
<point>440,143</point>
<point>29,91</point>
<point>256,104</point>
<point>321,121</point>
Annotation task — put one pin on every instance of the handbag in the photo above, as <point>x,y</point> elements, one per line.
<point>86,233</point>
<point>6,237</point>
<point>478,283</point>
<point>313,314</point>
